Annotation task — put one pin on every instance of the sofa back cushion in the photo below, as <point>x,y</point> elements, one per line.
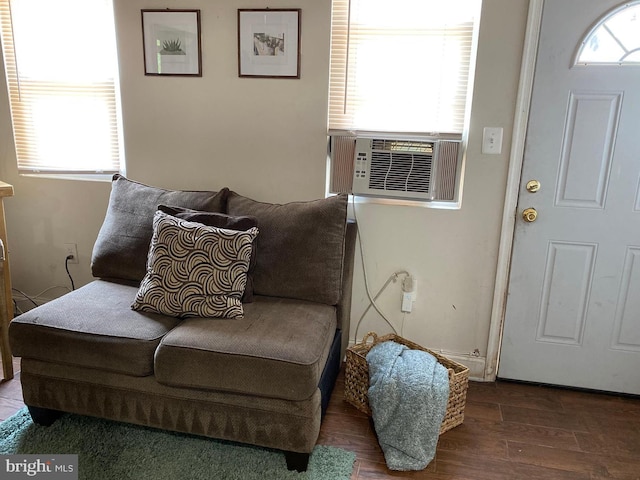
<point>123,242</point>
<point>301,247</point>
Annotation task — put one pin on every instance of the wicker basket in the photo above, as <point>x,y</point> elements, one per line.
<point>356,384</point>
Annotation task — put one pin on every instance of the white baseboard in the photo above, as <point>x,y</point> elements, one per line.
<point>474,364</point>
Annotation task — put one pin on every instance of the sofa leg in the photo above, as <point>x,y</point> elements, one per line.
<point>297,461</point>
<point>43,416</point>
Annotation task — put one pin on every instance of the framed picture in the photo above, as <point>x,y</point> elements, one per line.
<point>171,42</point>
<point>269,43</point>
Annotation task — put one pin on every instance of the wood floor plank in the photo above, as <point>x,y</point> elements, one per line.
<point>355,425</point>
<point>601,404</point>
<point>544,418</point>
<point>576,462</point>
<point>364,448</point>
<point>465,438</point>
<point>339,406</point>
<point>484,411</point>
<point>468,465</point>
<point>625,443</point>
<point>536,435</point>
<point>518,395</point>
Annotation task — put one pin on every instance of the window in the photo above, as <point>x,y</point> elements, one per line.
<point>614,40</point>
<point>401,66</point>
<point>61,66</point>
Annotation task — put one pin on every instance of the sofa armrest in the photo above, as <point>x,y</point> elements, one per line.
<point>344,306</point>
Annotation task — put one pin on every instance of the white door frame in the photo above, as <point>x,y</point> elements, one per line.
<point>516,158</point>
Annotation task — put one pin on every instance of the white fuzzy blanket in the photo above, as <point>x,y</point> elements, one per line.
<point>408,396</point>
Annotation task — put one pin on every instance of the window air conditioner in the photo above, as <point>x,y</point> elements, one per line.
<point>416,170</point>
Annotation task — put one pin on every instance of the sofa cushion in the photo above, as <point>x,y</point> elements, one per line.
<point>221,220</point>
<point>121,248</point>
<point>301,247</point>
<point>277,350</point>
<point>195,270</point>
<point>92,327</point>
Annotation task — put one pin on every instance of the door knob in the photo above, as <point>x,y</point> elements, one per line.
<point>530,215</point>
<point>533,186</point>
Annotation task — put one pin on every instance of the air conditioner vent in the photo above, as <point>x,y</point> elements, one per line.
<point>378,171</point>
<point>401,146</point>
<point>400,172</point>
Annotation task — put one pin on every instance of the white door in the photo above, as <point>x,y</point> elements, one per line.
<point>573,307</point>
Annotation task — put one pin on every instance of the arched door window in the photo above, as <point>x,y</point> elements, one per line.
<point>614,40</point>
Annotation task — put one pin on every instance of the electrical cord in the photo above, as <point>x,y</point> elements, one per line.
<point>16,309</point>
<point>38,295</point>
<point>393,277</point>
<point>33,298</point>
<point>26,297</point>
<point>36,300</point>
<point>372,299</point>
<point>66,267</point>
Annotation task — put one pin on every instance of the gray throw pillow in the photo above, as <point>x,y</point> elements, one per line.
<point>122,245</point>
<point>301,247</point>
<point>194,270</point>
<point>221,220</point>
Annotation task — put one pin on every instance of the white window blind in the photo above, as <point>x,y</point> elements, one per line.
<point>61,67</point>
<point>401,66</point>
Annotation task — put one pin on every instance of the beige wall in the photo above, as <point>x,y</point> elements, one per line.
<point>266,138</point>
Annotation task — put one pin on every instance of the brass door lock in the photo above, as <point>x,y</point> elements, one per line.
<point>533,186</point>
<point>530,215</point>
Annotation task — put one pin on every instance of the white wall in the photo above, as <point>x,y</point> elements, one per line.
<point>266,138</point>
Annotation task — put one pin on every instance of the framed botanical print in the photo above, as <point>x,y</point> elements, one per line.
<point>171,42</point>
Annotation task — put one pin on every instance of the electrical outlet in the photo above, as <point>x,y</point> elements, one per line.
<point>71,249</point>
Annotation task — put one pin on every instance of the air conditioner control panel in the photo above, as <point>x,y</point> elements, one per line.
<point>361,165</point>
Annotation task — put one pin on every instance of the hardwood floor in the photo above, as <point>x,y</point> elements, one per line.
<point>511,431</point>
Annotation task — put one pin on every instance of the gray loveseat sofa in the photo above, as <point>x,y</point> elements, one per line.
<point>262,379</point>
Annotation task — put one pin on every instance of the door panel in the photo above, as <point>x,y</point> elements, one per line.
<point>565,292</point>
<point>587,149</point>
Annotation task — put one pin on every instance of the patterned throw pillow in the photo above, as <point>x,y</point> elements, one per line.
<point>194,270</point>
<point>221,220</point>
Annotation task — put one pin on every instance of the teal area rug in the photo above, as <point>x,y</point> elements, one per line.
<point>112,450</point>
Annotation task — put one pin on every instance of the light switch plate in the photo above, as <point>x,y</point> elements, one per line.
<point>492,140</point>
